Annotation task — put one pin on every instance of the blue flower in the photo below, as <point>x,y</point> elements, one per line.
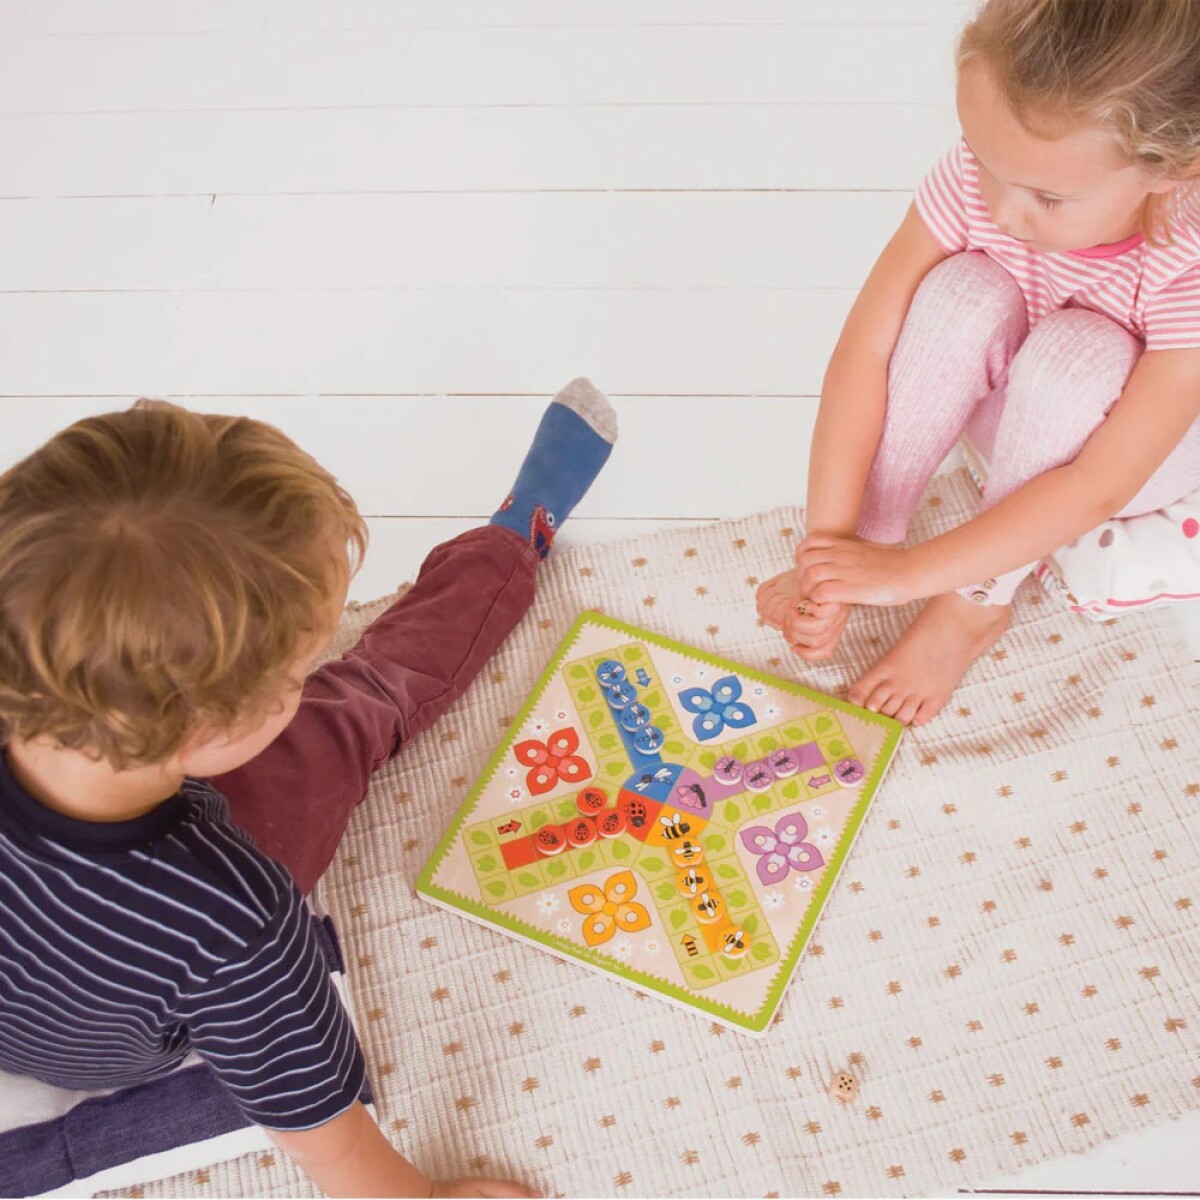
<point>719,708</point>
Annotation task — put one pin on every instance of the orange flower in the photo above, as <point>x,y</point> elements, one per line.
<point>609,910</point>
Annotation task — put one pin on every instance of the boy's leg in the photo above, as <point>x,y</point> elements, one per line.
<point>415,660</point>
<point>411,664</point>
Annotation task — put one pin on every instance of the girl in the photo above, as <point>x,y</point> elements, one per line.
<point>1042,294</point>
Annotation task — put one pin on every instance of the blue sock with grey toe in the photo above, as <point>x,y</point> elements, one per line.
<point>572,442</point>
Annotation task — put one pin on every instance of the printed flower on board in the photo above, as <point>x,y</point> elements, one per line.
<point>718,708</point>
<point>553,760</point>
<point>783,849</point>
<point>547,904</point>
<point>609,910</point>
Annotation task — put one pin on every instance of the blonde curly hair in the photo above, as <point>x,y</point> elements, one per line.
<point>1129,66</point>
<point>160,571</point>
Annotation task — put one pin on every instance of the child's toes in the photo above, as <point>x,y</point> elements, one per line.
<point>878,697</point>
<point>908,710</point>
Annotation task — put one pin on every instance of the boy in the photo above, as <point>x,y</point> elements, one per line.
<point>171,785</point>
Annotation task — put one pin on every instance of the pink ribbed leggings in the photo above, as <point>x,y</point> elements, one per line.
<point>966,361</point>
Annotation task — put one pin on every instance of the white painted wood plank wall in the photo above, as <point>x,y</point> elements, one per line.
<point>394,227</point>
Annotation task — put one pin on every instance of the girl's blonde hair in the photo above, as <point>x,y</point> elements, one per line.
<point>160,571</point>
<point>1131,66</point>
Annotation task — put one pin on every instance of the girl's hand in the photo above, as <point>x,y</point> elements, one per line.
<point>472,1186</point>
<point>850,571</point>
<point>778,598</point>
<point>814,630</point>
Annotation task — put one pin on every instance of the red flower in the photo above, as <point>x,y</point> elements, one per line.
<point>555,760</point>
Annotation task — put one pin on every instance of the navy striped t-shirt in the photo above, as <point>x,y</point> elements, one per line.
<point>125,945</point>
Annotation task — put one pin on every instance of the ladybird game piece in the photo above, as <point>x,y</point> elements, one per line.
<point>550,840</point>
<point>611,823</point>
<point>581,832</point>
<point>591,801</point>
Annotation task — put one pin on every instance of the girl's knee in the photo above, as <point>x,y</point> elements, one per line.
<point>1075,354</point>
<point>969,295</point>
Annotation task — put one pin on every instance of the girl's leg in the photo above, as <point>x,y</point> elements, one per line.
<point>964,326</point>
<point>1061,383</point>
<point>1179,476</point>
<point>1069,373</point>
<point>965,323</point>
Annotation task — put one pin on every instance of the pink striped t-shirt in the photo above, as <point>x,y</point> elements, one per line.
<point>1153,291</point>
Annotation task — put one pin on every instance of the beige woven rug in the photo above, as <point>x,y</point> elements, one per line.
<point>1008,965</point>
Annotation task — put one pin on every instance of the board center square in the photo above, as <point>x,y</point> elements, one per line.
<point>668,817</point>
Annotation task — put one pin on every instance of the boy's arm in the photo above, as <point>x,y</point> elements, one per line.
<point>349,1156</point>
<point>854,393</point>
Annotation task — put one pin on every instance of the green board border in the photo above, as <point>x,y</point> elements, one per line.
<point>752,1023</point>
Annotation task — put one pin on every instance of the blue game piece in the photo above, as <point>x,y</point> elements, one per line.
<point>649,740</point>
<point>634,717</point>
<point>609,672</point>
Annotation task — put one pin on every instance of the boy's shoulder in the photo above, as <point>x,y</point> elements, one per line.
<point>182,871</point>
<point>225,863</point>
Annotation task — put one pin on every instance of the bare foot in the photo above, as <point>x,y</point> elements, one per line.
<point>916,677</point>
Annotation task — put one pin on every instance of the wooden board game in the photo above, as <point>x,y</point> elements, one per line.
<point>667,817</point>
